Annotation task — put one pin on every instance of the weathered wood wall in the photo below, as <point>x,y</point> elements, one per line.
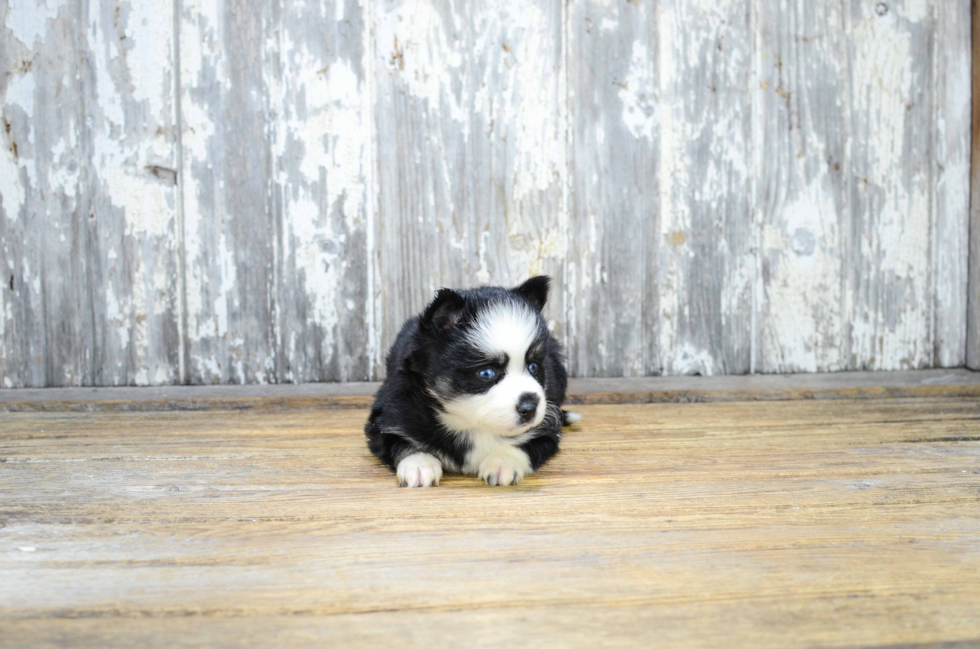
<point>973,306</point>
<point>222,191</point>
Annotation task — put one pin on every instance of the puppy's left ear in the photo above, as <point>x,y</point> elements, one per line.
<point>534,291</point>
<point>444,312</point>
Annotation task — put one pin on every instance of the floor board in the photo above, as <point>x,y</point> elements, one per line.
<point>791,523</point>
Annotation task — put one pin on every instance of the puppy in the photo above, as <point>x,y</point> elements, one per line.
<point>475,386</point>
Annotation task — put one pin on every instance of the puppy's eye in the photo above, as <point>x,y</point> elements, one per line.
<point>532,368</point>
<point>487,373</point>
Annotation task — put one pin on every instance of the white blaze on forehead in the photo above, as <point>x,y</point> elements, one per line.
<point>507,328</point>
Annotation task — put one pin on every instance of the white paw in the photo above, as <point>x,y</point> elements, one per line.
<point>504,466</point>
<point>419,470</point>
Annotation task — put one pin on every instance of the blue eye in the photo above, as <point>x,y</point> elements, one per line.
<point>533,368</point>
<point>487,373</point>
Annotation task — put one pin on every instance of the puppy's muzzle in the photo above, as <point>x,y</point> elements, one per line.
<point>527,407</point>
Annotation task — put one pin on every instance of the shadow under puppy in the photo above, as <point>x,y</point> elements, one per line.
<point>475,385</point>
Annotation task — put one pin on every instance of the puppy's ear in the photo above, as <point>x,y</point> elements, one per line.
<point>444,312</point>
<point>534,291</point>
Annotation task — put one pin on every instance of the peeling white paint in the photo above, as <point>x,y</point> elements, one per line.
<point>637,92</point>
<point>149,34</point>
<point>951,171</point>
<point>21,88</point>
<point>325,198</point>
<point>321,272</point>
<point>892,329</point>
<point>802,329</point>
<point>12,190</point>
<point>915,11</point>
<point>28,19</point>
<point>201,57</point>
<point>484,96</point>
<point>608,25</point>
<point>688,359</point>
<point>20,94</point>
<point>539,151</point>
<point>425,53</point>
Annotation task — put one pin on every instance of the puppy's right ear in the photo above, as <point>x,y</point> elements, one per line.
<point>444,312</point>
<point>534,291</point>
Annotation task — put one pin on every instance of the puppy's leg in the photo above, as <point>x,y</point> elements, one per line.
<point>540,449</point>
<point>419,470</point>
<point>413,467</point>
<point>504,465</point>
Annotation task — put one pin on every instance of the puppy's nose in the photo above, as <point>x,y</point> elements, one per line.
<point>527,405</point>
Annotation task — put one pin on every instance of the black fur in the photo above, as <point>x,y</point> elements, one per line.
<point>432,347</point>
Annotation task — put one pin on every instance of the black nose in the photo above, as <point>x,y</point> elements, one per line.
<point>527,405</point>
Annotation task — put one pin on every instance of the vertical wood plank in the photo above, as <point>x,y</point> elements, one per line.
<point>133,189</point>
<point>88,227</point>
<point>614,202</point>
<point>801,133</point>
<point>890,294</point>
<point>471,149</point>
<point>951,179</point>
<point>707,232</point>
<point>37,187</point>
<point>229,226</point>
<point>276,155</point>
<point>321,142</point>
<point>973,303</point>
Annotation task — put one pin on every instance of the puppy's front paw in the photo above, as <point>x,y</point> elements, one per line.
<point>504,466</point>
<point>419,470</point>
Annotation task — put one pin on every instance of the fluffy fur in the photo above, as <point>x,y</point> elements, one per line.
<point>475,385</point>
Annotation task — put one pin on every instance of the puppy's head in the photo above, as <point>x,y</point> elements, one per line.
<point>484,355</point>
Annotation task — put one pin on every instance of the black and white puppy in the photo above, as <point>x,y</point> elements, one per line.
<point>475,385</point>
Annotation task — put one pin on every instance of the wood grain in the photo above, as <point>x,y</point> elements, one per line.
<point>276,155</point>
<point>951,171</point>
<point>219,191</point>
<point>801,131</point>
<point>889,295</point>
<point>229,223</point>
<point>706,253</point>
<point>613,316</point>
<point>973,302</point>
<point>744,524</point>
<point>88,235</point>
<point>320,121</point>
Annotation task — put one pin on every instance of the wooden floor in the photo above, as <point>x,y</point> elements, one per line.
<point>793,523</point>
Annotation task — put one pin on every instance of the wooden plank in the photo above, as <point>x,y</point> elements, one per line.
<point>801,131</point>
<point>564,624</point>
<point>788,524</point>
<point>471,157</point>
<point>951,180</point>
<point>88,236</point>
<point>38,190</point>
<point>320,127</point>
<point>276,154</point>
<point>229,224</point>
<point>707,231</point>
<point>613,314</point>
<point>133,189</point>
<point>675,389</point>
<point>973,303</point>
<point>890,294</point>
